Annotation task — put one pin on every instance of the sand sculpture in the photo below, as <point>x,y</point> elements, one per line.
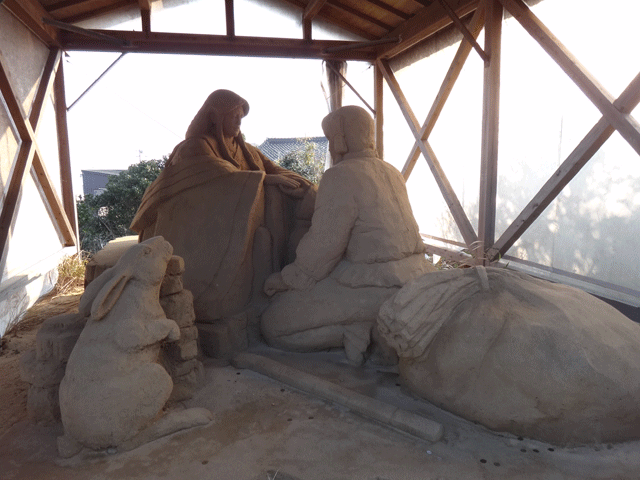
<point>43,367</point>
<point>363,245</point>
<point>114,390</point>
<point>231,213</point>
<point>518,354</point>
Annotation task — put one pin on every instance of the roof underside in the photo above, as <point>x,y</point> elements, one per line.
<point>386,27</point>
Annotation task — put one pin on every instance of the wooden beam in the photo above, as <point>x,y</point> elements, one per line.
<point>309,13</point>
<point>378,104</point>
<point>194,44</point>
<point>577,159</point>
<point>490,122</point>
<point>64,152</point>
<point>46,82</point>
<point>231,22</point>
<point>31,13</point>
<point>425,23</point>
<point>626,125</point>
<point>475,26</point>
<point>460,217</point>
<point>464,30</point>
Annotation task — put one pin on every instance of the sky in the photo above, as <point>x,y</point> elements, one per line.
<point>143,105</point>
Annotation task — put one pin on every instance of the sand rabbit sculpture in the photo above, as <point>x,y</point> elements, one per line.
<point>113,392</point>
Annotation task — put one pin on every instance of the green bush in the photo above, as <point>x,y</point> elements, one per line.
<point>304,161</point>
<point>106,216</point>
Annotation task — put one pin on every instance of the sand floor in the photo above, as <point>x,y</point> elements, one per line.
<point>265,430</point>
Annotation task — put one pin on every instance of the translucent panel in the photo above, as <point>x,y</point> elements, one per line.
<point>543,116</point>
<point>32,231</point>
<point>599,218</point>
<point>184,16</point>
<point>18,43</point>
<point>360,76</point>
<point>127,18</point>
<point>48,144</point>
<point>455,138</point>
<point>602,36</point>
<point>8,150</point>
<point>267,19</point>
<point>428,205</point>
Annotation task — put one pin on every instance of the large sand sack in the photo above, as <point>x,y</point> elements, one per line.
<point>518,354</point>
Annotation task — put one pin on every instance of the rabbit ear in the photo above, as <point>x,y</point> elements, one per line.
<point>92,290</point>
<point>108,296</point>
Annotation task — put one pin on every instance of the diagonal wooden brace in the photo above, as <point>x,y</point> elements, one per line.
<point>460,217</point>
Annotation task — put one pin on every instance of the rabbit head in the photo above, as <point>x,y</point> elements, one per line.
<point>145,262</point>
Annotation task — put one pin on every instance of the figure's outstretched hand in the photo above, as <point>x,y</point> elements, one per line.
<point>275,284</point>
<point>291,186</point>
<point>281,181</point>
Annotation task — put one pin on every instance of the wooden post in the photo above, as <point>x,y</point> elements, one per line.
<point>337,69</point>
<point>64,152</point>
<point>378,105</point>
<point>231,26</point>
<point>491,107</point>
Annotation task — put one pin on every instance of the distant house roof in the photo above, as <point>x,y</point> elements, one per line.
<point>94,181</point>
<point>276,148</point>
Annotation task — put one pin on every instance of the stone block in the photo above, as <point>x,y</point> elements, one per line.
<point>179,308</point>
<point>175,266</point>
<point>43,405</point>
<point>58,335</point>
<point>171,284</point>
<point>185,386</point>
<point>181,368</point>
<point>224,338</point>
<point>181,351</point>
<point>188,334</point>
<point>40,374</point>
<point>107,257</point>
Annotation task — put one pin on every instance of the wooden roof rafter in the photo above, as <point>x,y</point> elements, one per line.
<point>107,8</point>
<point>345,9</point>
<point>428,21</point>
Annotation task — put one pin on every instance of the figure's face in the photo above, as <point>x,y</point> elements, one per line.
<point>231,122</point>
